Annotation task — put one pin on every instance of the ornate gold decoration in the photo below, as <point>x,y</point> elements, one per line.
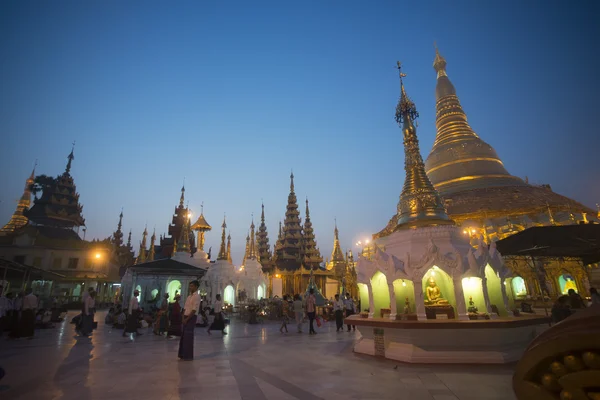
<point>223,249</point>
<point>201,226</point>
<point>18,219</point>
<point>419,204</point>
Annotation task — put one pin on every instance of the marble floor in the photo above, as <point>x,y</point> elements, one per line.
<point>253,362</point>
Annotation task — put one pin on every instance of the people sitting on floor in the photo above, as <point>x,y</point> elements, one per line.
<point>121,317</point>
<point>42,319</point>
<point>110,317</point>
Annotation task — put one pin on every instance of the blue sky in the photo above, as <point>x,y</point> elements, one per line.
<point>233,95</point>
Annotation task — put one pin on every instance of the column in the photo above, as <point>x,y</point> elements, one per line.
<point>486,299</point>
<point>459,294</point>
<point>393,306</point>
<point>371,300</point>
<point>419,300</point>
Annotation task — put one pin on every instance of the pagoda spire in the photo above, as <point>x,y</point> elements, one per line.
<point>151,253</point>
<point>252,253</point>
<point>142,253</point>
<point>183,245</point>
<point>182,198</point>
<point>117,238</point>
<point>201,226</point>
<point>310,251</point>
<point>459,159</point>
<point>289,251</point>
<point>247,249</point>
<point>223,250</point>
<point>18,219</point>
<point>264,250</point>
<point>70,158</point>
<point>336,255</point>
<point>229,247</point>
<point>420,204</point>
<point>129,241</point>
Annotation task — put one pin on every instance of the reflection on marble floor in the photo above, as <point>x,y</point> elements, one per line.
<point>252,362</point>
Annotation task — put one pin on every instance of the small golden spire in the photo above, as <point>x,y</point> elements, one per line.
<point>439,63</point>
<point>292,182</point>
<point>252,254</point>
<point>142,253</point>
<point>182,198</point>
<point>183,245</point>
<point>151,253</point>
<point>223,250</point>
<point>420,204</point>
<point>550,216</point>
<point>336,255</point>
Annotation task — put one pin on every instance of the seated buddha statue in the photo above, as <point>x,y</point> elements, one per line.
<point>434,294</point>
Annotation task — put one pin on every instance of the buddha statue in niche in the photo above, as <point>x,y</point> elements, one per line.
<point>434,294</point>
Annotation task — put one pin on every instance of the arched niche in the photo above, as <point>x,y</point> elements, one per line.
<point>363,295</point>
<point>565,282</point>
<point>173,287</point>
<point>494,288</point>
<point>381,293</point>
<point>403,289</point>
<point>443,281</point>
<point>260,292</point>
<point>473,291</point>
<point>139,289</point>
<point>518,288</point>
<point>229,295</point>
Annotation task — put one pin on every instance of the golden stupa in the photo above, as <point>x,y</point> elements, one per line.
<point>473,181</point>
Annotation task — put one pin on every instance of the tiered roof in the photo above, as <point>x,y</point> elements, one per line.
<point>311,256</point>
<point>59,204</point>
<point>289,247</point>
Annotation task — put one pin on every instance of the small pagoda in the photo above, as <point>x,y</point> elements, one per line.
<point>168,245</point>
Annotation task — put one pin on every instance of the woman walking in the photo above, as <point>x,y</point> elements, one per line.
<point>219,322</point>
<point>175,320</point>
<point>87,316</point>
<point>162,321</point>
<point>298,311</point>
<point>285,318</point>
<point>311,311</point>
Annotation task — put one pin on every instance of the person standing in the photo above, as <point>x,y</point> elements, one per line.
<point>575,300</point>
<point>190,313</point>
<point>311,311</point>
<point>162,321</point>
<point>133,320</point>
<point>175,318</point>
<point>285,311</point>
<point>15,326</point>
<point>219,322</point>
<point>298,311</point>
<point>30,305</point>
<point>338,308</point>
<point>87,318</point>
<point>349,305</point>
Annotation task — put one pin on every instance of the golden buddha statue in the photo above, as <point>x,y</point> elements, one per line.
<point>434,294</point>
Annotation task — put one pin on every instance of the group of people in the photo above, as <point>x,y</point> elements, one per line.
<point>567,304</point>
<point>18,314</point>
<point>296,307</point>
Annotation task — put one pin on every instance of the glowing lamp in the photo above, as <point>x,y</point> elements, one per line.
<point>98,255</point>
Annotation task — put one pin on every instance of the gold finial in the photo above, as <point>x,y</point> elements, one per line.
<point>439,63</point>
<point>292,182</point>
<point>223,249</point>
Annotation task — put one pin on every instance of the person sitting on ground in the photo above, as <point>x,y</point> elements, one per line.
<point>575,300</point>
<point>120,319</point>
<point>110,317</point>
<point>561,309</point>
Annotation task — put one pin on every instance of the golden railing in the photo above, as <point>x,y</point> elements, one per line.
<point>563,362</point>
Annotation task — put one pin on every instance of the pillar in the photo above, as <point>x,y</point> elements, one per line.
<point>419,299</point>
<point>505,297</point>
<point>371,300</point>
<point>486,298</point>
<point>459,295</point>
<point>393,306</point>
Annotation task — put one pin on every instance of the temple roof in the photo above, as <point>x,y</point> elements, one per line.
<point>201,224</point>
<point>167,266</point>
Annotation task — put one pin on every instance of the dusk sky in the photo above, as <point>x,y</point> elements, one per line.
<point>232,96</point>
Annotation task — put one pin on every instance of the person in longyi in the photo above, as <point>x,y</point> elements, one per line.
<point>190,314</point>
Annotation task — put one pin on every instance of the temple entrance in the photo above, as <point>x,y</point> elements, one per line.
<point>438,294</point>
<point>405,292</point>
<point>566,282</point>
<point>363,295</point>
<point>229,295</point>
<point>473,291</point>
<point>381,293</point>
<point>173,288</point>
<point>494,288</point>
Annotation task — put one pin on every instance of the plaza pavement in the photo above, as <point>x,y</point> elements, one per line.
<point>253,362</point>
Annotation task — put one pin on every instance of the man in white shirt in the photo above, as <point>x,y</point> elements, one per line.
<point>190,314</point>
<point>133,320</point>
